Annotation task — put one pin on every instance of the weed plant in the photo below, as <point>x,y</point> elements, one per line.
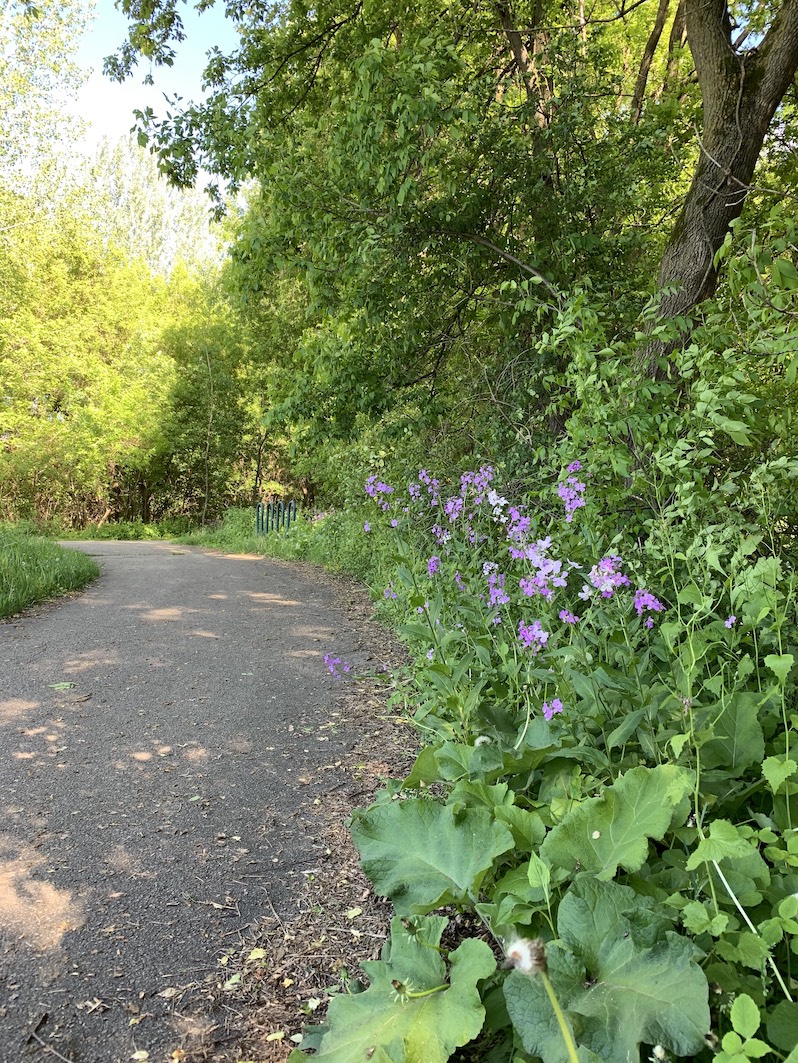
<point>611,746</point>
<point>33,568</point>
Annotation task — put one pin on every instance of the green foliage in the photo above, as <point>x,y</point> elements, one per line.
<point>446,852</point>
<point>421,1004</point>
<point>33,568</point>
<point>613,766</point>
<point>622,976</point>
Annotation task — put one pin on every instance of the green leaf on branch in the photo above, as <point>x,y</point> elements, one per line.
<point>602,833</point>
<point>422,854</point>
<point>724,843</point>
<point>413,1009</point>
<point>780,665</point>
<point>777,770</point>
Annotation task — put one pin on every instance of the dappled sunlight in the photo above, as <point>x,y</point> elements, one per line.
<point>172,612</point>
<point>238,557</point>
<point>84,662</point>
<point>268,599</point>
<point>14,709</point>
<point>198,634</point>
<point>196,753</point>
<point>218,597</point>
<point>31,911</point>
<point>120,861</point>
<point>141,755</point>
<point>316,633</point>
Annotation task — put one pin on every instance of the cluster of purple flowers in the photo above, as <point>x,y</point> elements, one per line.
<point>552,707</point>
<point>533,636</point>
<point>431,484</point>
<point>496,592</point>
<point>335,666</point>
<point>646,602</point>
<point>433,565</point>
<point>480,481</point>
<point>572,491</point>
<point>607,577</point>
<point>377,490</point>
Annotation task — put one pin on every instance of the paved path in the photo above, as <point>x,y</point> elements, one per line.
<point>160,738</point>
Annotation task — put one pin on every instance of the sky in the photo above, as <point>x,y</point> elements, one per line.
<point>109,106</point>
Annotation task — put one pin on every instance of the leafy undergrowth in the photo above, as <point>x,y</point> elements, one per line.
<point>33,569</point>
<point>608,789</point>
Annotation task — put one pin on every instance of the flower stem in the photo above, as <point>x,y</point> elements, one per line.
<point>562,1022</point>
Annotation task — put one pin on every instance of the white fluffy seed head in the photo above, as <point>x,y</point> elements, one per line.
<point>528,956</point>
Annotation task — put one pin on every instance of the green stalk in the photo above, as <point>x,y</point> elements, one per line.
<point>562,1021</point>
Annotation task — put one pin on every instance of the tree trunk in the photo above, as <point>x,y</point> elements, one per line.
<point>740,95</point>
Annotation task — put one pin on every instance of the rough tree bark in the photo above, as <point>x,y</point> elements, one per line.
<point>740,93</point>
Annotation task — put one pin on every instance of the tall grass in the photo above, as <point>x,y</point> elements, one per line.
<point>333,540</point>
<point>33,568</point>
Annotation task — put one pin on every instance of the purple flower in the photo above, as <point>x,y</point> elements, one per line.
<point>575,466</point>
<point>441,534</point>
<point>645,601</point>
<point>568,617</point>
<point>374,487</point>
<point>453,509</point>
<point>730,621</point>
<point>606,576</point>
<point>498,595</point>
<point>533,636</point>
<point>433,565</point>
<point>394,523</point>
<point>571,491</point>
<point>333,665</point>
<point>389,592</point>
<point>366,526</point>
<point>550,708</point>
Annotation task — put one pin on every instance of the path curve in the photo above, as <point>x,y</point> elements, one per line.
<point>162,736</point>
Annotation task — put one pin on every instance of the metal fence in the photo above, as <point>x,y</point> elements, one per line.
<point>274,516</point>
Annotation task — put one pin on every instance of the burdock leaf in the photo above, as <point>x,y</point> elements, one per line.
<point>621,976</point>
<point>410,1013</point>
<point>601,833</point>
<point>422,854</point>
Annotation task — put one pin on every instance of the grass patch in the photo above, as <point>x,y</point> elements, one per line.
<point>33,568</point>
<point>334,540</point>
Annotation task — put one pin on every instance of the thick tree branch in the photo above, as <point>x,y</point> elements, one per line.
<point>649,51</point>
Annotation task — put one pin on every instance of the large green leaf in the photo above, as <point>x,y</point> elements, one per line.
<point>601,833</point>
<point>422,854</point>
<point>738,740</point>
<point>410,1013</point>
<point>622,977</point>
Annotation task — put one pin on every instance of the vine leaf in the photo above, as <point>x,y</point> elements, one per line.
<point>604,832</point>
<point>409,1013</point>
<point>422,854</point>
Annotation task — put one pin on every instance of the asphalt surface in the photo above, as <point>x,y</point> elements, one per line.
<point>161,737</point>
